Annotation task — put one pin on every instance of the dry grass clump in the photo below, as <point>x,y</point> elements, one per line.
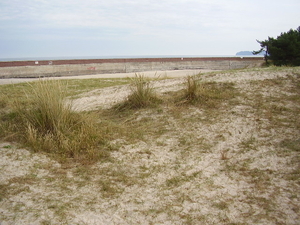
<point>192,88</point>
<point>48,124</point>
<point>142,94</point>
<point>207,94</point>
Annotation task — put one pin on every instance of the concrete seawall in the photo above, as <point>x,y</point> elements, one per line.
<point>26,69</point>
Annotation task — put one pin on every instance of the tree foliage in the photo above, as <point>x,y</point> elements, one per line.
<point>283,50</point>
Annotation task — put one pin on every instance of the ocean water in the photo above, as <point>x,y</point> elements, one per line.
<point>115,57</point>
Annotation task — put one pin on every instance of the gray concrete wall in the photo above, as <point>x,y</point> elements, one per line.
<point>126,67</point>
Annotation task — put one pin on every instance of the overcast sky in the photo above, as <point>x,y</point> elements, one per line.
<point>56,28</point>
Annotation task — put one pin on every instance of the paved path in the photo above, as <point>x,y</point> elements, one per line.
<point>168,73</point>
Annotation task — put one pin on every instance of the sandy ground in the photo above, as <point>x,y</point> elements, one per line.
<point>228,169</point>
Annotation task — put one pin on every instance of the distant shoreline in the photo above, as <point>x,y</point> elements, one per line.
<point>119,57</point>
<point>119,60</point>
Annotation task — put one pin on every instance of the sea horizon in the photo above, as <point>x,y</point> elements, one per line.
<point>8,59</point>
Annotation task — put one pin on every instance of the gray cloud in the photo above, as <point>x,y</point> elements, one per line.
<point>203,24</point>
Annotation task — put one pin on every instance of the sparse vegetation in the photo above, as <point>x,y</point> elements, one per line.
<point>231,156</point>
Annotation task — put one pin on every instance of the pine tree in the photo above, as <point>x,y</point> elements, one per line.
<point>283,50</point>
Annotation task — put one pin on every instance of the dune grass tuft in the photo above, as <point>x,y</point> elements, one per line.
<point>142,94</point>
<point>192,88</point>
<point>48,124</point>
<point>208,94</point>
